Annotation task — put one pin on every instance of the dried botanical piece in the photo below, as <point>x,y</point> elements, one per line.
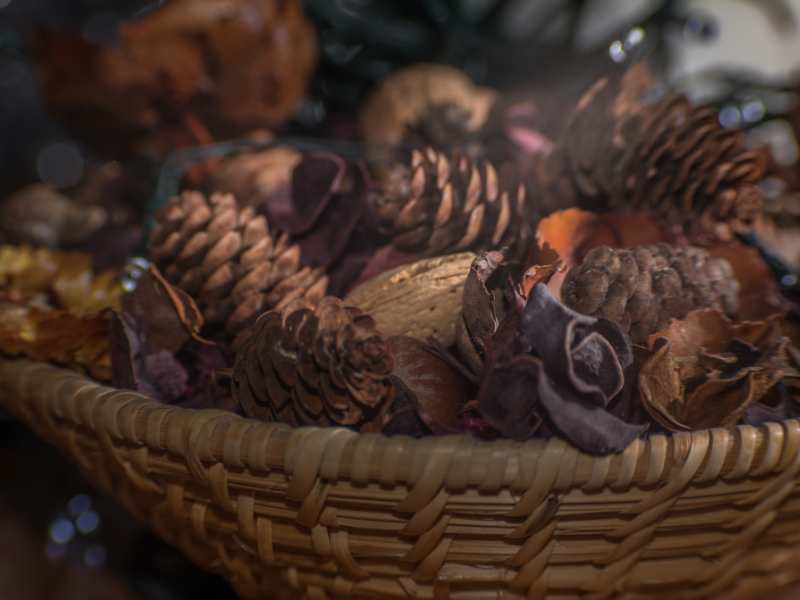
<point>41,215</point>
<point>440,203</point>
<point>259,178</point>
<point>426,104</point>
<point>183,74</point>
<point>622,153</point>
<point>53,308</point>
<point>543,367</point>
<point>759,294</point>
<point>547,366</point>
<point>421,300</point>
<point>779,227</point>
<point>706,371</point>
<point>436,391</point>
<point>56,336</point>
<point>229,260</point>
<point>155,346</point>
<point>643,288</point>
<point>327,365</point>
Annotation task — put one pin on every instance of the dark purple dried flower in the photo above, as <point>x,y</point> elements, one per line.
<point>547,364</point>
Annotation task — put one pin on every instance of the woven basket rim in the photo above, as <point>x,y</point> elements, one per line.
<point>212,436</point>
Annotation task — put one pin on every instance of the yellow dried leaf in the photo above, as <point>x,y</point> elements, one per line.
<point>53,308</point>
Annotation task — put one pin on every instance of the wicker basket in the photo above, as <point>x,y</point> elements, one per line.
<point>331,513</point>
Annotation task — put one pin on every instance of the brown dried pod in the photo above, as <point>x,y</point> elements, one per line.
<point>705,371</point>
<point>323,366</point>
<point>229,260</point>
<point>643,288</point>
<point>421,300</point>
<point>256,178</point>
<point>621,152</point>
<point>41,215</point>
<point>439,203</point>
<point>426,104</point>
<point>438,392</point>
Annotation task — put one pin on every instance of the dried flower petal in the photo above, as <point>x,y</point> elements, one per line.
<point>706,371</point>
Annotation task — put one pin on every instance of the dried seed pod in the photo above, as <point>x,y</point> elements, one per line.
<point>643,288</point>
<point>420,300</point>
<point>229,260</point>
<point>41,215</point>
<point>426,104</point>
<point>705,371</point>
<point>438,203</point>
<point>258,177</point>
<point>323,366</point>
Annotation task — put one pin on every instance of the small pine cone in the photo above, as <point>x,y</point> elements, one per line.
<point>440,204</point>
<point>324,366</point>
<point>667,158</point>
<point>643,288</point>
<point>227,258</point>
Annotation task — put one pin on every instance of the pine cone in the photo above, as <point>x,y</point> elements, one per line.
<point>227,258</point>
<point>643,288</point>
<point>667,158</point>
<point>320,366</point>
<point>440,204</point>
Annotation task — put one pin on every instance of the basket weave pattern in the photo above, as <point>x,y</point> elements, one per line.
<point>332,513</point>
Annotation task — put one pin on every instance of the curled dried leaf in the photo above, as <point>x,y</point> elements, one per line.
<point>706,371</point>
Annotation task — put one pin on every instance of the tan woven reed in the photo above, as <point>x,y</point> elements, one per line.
<point>331,513</point>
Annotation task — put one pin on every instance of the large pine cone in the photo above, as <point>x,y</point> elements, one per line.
<point>438,204</point>
<point>227,258</point>
<point>321,366</point>
<point>667,158</point>
<point>644,288</point>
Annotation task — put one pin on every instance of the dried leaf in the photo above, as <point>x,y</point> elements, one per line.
<point>759,295</point>
<point>706,371</point>
<point>52,308</point>
<point>56,336</point>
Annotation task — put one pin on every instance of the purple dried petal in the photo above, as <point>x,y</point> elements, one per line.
<point>508,398</point>
<point>315,181</point>
<point>588,427</point>
<point>165,374</point>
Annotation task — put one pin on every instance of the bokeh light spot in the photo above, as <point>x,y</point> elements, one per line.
<point>62,531</point>
<point>88,522</point>
<point>60,164</point>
